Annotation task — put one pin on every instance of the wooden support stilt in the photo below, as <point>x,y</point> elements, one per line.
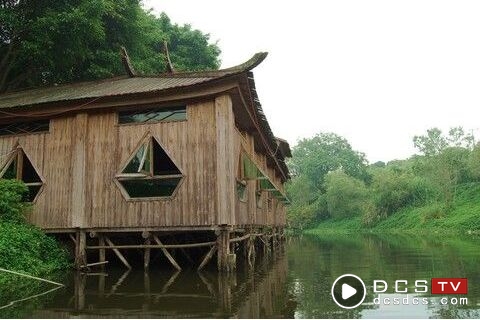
<point>146,283</point>
<point>118,253</point>
<point>170,281</point>
<point>80,249</point>
<point>73,239</point>
<point>225,290</point>
<point>225,260</point>
<point>184,252</point>
<point>207,257</point>
<point>167,254</point>
<point>251,251</point>
<point>207,283</point>
<point>101,285</point>
<point>101,252</point>
<point>79,280</point>
<point>146,256</point>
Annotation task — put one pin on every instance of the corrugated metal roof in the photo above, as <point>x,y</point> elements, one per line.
<point>120,86</point>
<point>104,88</point>
<point>131,85</point>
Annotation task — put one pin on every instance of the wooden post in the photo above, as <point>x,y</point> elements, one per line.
<point>225,293</point>
<point>80,249</point>
<point>251,251</point>
<point>101,252</point>
<point>79,293</point>
<point>101,285</point>
<point>226,261</point>
<point>146,255</point>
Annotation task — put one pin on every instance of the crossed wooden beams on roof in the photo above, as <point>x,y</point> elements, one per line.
<point>129,67</point>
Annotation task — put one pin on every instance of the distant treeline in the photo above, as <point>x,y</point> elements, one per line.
<point>333,181</point>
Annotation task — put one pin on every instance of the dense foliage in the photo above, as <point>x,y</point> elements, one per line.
<point>331,181</point>
<point>24,247</point>
<point>53,42</point>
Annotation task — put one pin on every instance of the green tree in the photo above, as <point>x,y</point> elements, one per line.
<point>446,161</point>
<point>434,141</point>
<point>346,196</point>
<point>53,42</point>
<point>325,152</point>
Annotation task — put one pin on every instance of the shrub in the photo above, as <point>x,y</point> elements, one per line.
<point>24,247</point>
<point>433,212</point>
<point>11,206</point>
<point>345,195</point>
<point>393,190</point>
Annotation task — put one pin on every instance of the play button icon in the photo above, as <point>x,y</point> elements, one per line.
<point>348,291</point>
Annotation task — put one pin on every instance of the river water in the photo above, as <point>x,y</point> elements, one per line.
<point>291,283</point>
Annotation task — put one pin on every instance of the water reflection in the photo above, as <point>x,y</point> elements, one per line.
<point>295,283</point>
<point>249,293</point>
<point>315,262</point>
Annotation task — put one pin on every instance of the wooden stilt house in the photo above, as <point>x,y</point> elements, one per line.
<point>183,152</point>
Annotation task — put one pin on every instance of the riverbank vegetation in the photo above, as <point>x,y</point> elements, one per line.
<point>24,247</point>
<point>334,188</point>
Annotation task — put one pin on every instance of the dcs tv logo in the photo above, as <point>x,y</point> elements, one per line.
<point>349,291</point>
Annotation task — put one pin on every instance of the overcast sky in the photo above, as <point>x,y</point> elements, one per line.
<point>374,72</point>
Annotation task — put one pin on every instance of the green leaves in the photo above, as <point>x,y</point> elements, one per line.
<point>54,42</point>
<point>11,206</point>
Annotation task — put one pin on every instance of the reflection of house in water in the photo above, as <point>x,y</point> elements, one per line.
<point>244,294</point>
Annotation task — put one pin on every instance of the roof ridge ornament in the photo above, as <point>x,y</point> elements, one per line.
<point>126,62</point>
<point>168,62</point>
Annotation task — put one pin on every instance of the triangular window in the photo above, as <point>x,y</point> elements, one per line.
<point>20,167</point>
<point>149,173</point>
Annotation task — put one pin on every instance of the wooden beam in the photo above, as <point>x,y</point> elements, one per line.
<point>72,238</point>
<point>154,246</point>
<point>118,253</point>
<point>207,257</point>
<point>167,254</point>
<point>238,239</point>
<point>96,264</point>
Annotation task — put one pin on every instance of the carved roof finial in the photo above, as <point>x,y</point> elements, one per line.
<point>126,62</point>
<point>168,62</point>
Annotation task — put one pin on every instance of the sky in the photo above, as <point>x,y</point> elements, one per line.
<point>375,72</point>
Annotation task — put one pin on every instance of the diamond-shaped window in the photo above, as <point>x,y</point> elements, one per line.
<point>149,173</point>
<point>19,167</point>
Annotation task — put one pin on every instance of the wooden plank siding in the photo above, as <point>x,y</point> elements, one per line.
<point>81,154</point>
<point>247,212</point>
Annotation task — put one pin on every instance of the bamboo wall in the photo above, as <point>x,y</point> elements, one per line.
<point>80,156</point>
<point>247,212</point>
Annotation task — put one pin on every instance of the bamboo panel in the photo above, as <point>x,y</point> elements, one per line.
<point>190,144</point>
<point>225,124</point>
<point>57,194</point>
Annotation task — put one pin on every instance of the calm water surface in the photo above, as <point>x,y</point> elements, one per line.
<point>294,283</point>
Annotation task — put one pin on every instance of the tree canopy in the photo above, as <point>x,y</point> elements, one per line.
<point>61,41</point>
<point>333,181</point>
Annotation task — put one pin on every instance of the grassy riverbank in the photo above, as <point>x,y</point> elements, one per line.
<point>462,217</point>
<point>23,248</point>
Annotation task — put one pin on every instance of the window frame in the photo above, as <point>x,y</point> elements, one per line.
<point>146,109</point>
<point>121,176</point>
<point>259,195</point>
<point>48,121</point>
<point>18,154</point>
